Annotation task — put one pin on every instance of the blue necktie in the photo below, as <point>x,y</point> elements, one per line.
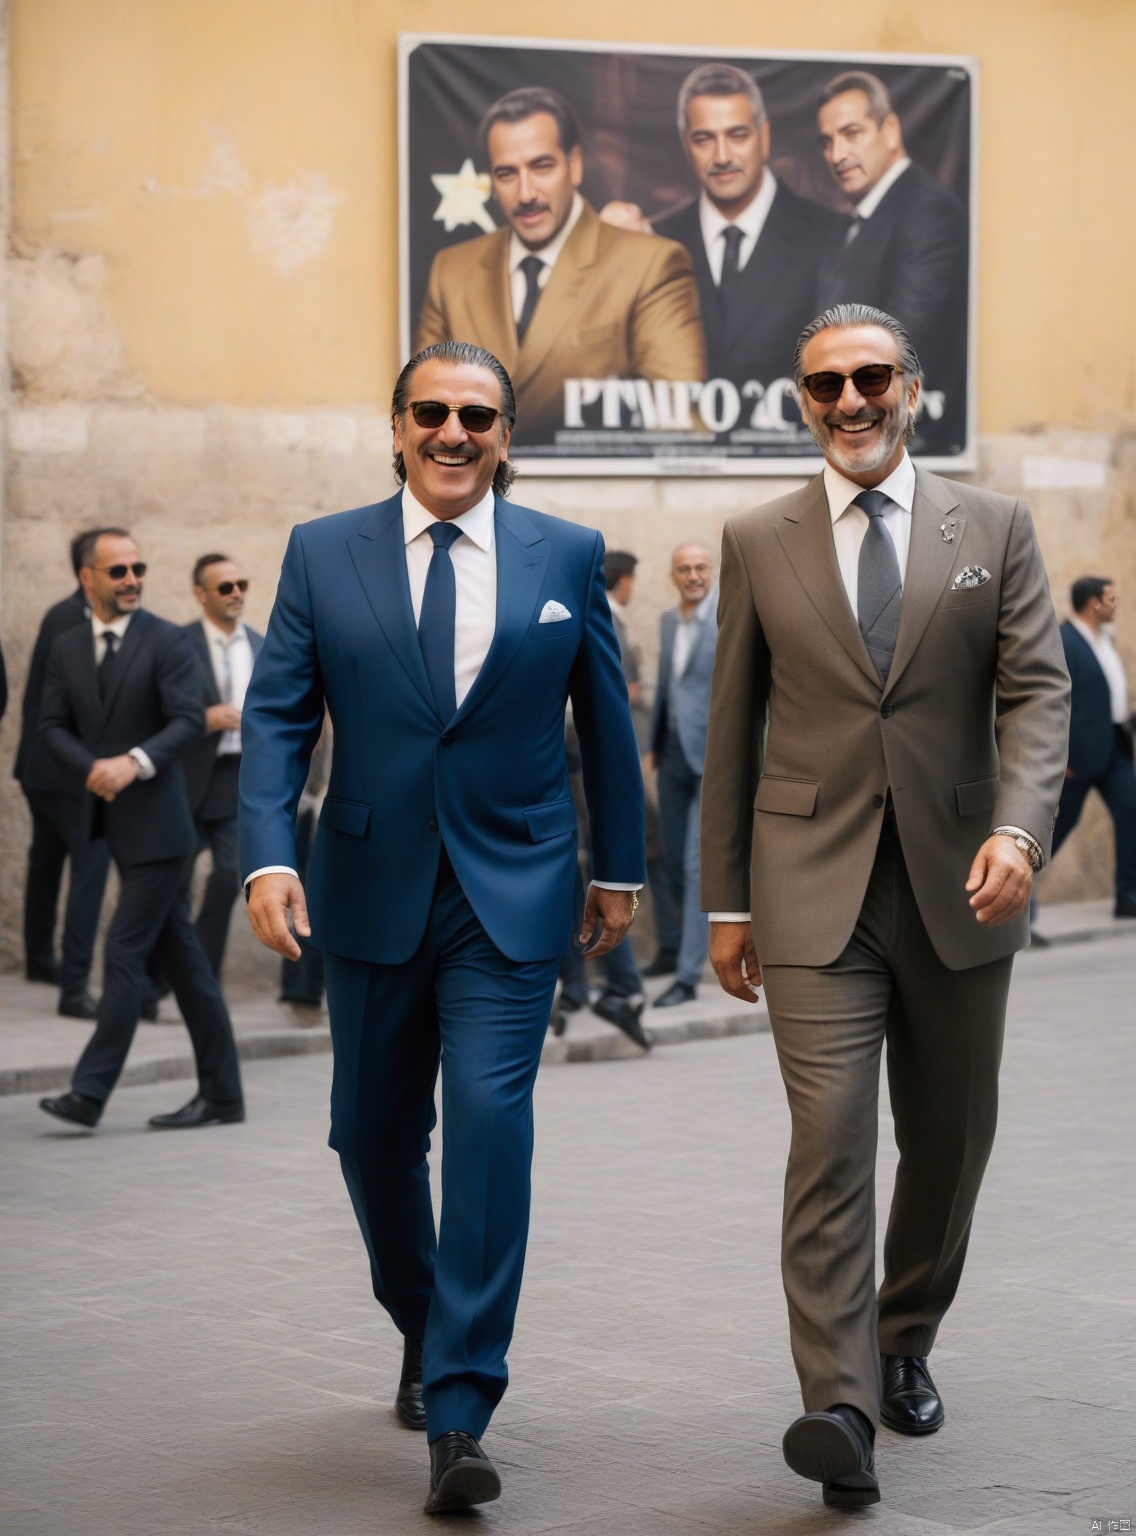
<point>436,621</point>
<point>879,595</point>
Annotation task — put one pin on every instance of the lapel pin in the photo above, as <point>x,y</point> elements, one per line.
<point>948,532</point>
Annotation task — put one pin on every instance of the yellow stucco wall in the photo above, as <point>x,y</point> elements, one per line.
<point>234,162</point>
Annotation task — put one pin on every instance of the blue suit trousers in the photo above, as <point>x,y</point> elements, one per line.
<point>460,1001</point>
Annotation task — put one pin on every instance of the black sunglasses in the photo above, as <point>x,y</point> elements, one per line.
<point>435,413</point>
<point>117,572</point>
<point>227,588</point>
<point>871,380</point>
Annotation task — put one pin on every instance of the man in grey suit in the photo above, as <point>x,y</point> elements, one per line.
<point>687,637</point>
<point>885,754</point>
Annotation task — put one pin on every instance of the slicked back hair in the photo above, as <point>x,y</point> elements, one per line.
<point>516,106</point>
<point>1085,588</point>
<point>204,563</point>
<point>879,102</point>
<point>83,550</point>
<point>719,80</point>
<point>461,353</point>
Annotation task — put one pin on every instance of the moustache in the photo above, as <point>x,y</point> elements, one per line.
<point>725,168</point>
<point>533,207</point>
<point>865,413</point>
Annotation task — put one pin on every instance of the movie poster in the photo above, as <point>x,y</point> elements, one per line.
<point>640,234</point>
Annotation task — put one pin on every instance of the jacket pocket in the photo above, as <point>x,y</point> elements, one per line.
<point>786,797</point>
<point>545,821</point>
<point>976,796</point>
<point>346,816</point>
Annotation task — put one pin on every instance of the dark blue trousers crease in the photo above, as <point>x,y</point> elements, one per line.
<point>461,1002</point>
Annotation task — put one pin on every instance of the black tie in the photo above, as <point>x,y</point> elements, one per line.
<point>733,237</point>
<point>532,267</point>
<point>879,591</point>
<point>108,664</point>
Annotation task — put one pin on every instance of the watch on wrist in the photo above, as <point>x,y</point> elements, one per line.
<point>1029,845</point>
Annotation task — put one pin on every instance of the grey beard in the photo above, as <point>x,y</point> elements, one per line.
<point>892,428</point>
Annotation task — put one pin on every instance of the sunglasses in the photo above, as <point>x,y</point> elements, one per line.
<point>227,588</point>
<point>117,572</point>
<point>871,380</point>
<point>435,413</point>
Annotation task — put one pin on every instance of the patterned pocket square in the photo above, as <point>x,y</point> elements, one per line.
<point>970,576</point>
<point>553,613</point>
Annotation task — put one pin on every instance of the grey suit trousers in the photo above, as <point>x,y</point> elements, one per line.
<point>943,1031</point>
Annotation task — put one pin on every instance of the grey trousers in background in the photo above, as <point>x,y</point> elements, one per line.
<point>943,1030</point>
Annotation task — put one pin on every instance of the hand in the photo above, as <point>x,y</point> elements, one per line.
<point>109,776</point>
<point>1001,879</point>
<point>271,898</point>
<point>626,216</point>
<point>616,909</point>
<point>222,717</point>
<point>733,955</point>
<point>648,762</point>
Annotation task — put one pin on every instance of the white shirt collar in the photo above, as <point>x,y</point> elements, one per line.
<point>547,253</point>
<point>841,493</point>
<point>476,524</point>
<point>751,220</point>
<point>217,636</point>
<point>118,627</point>
<point>698,615</point>
<point>872,200</point>
<point>1093,636</point>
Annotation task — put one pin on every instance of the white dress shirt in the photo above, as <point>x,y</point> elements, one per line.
<point>518,284</point>
<point>231,656</point>
<point>146,769</point>
<point>687,633</point>
<point>872,200</point>
<point>751,221</point>
<point>850,524</point>
<point>1110,664</point>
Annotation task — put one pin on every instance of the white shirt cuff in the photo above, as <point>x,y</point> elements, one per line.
<point>729,917</point>
<point>615,885</point>
<point>271,869</point>
<point>146,769</point>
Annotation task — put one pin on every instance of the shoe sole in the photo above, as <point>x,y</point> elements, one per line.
<point>852,1497</point>
<point>820,1448</point>
<point>196,1125</point>
<point>463,1485</point>
<point>905,1426</point>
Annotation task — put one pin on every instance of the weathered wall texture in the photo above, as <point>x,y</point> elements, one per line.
<point>202,278</point>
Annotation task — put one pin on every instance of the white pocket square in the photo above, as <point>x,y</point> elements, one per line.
<point>553,613</point>
<point>970,576</point>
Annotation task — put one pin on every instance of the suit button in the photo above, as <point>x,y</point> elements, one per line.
<point>447,740</point>
<point>433,825</point>
<point>887,710</point>
<point>877,801</point>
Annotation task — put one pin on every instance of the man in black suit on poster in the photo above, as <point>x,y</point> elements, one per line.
<point>121,706</point>
<point>906,249</point>
<point>59,830</point>
<point>756,246</point>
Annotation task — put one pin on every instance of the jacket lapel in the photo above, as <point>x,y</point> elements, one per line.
<point>489,302</point>
<point>806,538</point>
<point>930,560</point>
<point>85,701</point>
<point>201,644</point>
<point>567,289</point>
<point>378,553</point>
<point>127,652</point>
<point>522,557</point>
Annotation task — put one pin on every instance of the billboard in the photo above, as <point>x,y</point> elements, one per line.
<point>640,233</point>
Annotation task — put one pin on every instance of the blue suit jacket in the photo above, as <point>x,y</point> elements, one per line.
<point>1091,733</point>
<point>491,783</point>
<point>692,691</point>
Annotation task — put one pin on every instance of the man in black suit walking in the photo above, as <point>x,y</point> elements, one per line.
<point>756,246</point>
<point>121,705</point>
<point>906,249</point>
<point>225,648</point>
<point>1100,736</point>
<point>59,830</point>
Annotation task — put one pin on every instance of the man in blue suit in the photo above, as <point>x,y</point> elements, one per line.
<point>445,631</point>
<point>1100,738</point>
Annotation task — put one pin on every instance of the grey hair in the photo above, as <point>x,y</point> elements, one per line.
<point>879,102</point>
<point>839,318</point>
<point>719,80</point>
<point>464,353</point>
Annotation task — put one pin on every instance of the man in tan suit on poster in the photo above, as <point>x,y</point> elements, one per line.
<point>887,740</point>
<point>555,293</point>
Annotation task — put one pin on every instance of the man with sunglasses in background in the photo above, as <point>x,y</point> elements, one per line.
<point>121,707</point>
<point>226,649</point>
<point>445,631</point>
<point>885,754</point>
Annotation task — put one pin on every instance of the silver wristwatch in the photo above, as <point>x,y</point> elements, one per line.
<point>1029,845</point>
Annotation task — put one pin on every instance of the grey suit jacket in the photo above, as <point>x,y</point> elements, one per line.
<point>691,693</point>
<point>201,761</point>
<point>970,732</point>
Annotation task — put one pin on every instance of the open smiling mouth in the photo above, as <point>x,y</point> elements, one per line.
<point>449,460</point>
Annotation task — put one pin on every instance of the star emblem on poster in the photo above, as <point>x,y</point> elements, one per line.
<point>464,197</point>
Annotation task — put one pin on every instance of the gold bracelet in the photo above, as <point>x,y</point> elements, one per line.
<point>634,905</point>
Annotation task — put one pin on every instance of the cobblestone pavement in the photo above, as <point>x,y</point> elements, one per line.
<point>189,1344</point>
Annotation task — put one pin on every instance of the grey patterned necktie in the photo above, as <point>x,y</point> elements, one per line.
<point>879,593</point>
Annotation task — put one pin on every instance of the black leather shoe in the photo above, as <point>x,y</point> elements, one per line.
<point>558,1023</point>
<point>625,1013</point>
<point>197,1112</point>
<point>677,992</point>
<point>43,970</point>
<point>408,1403</point>
<point>1125,907</point>
<point>910,1403</point>
<point>835,1449</point>
<point>78,1005</point>
<point>569,1004</point>
<point>75,1108</point>
<point>663,964</point>
<point>461,1474</point>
